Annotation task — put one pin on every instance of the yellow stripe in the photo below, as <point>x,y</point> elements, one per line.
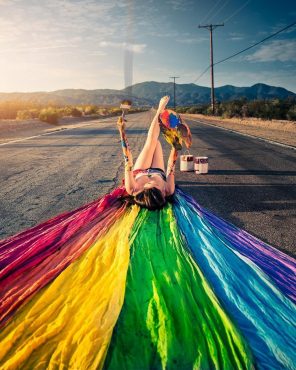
<point>68,324</point>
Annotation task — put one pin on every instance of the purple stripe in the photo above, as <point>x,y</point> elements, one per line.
<point>280,267</point>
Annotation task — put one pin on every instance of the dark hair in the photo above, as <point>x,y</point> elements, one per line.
<point>151,198</point>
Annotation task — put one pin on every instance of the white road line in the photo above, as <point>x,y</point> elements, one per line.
<point>49,133</point>
<point>243,134</point>
<point>57,130</point>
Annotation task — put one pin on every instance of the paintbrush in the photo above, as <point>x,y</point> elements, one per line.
<point>125,106</point>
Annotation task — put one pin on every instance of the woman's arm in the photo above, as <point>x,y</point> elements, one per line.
<point>171,171</point>
<point>130,183</point>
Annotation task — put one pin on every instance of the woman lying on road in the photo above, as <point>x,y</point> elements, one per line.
<point>147,181</point>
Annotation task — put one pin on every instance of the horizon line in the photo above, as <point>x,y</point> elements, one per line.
<point>138,83</point>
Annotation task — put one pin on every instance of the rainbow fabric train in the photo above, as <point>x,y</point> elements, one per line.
<point>113,286</point>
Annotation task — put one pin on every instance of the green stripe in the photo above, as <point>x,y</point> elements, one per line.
<point>171,318</point>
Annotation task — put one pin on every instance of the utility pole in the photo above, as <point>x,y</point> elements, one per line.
<point>174,78</point>
<point>211,27</point>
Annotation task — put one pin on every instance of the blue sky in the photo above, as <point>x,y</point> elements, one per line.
<point>47,45</point>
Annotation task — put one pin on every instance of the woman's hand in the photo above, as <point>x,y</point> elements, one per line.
<point>121,124</point>
<point>172,162</point>
<point>163,103</point>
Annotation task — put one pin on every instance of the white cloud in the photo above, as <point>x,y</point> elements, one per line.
<point>277,50</point>
<point>281,25</point>
<point>136,48</point>
<point>39,22</point>
<point>236,36</point>
<point>179,4</point>
<point>195,40</point>
<point>98,53</point>
<point>26,49</point>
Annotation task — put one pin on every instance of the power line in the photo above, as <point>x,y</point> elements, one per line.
<point>248,48</point>
<point>210,11</point>
<point>219,10</point>
<point>237,11</point>
<point>257,43</point>
<point>206,70</point>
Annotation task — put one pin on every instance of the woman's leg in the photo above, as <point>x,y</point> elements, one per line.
<point>145,158</point>
<point>157,160</point>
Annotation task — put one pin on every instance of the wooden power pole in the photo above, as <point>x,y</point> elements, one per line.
<point>211,27</point>
<point>174,78</point>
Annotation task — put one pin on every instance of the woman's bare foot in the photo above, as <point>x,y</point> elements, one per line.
<point>163,103</point>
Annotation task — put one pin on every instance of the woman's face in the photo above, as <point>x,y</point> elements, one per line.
<point>155,182</point>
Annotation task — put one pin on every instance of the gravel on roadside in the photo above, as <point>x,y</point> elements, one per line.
<point>283,132</point>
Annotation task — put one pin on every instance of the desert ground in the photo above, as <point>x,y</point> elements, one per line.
<point>275,130</point>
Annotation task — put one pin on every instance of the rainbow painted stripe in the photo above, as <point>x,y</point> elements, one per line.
<point>118,287</point>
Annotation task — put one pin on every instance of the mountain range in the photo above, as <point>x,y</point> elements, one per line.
<point>149,93</point>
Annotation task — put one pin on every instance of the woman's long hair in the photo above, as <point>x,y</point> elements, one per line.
<point>151,199</point>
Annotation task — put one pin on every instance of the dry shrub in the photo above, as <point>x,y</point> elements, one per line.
<point>49,115</point>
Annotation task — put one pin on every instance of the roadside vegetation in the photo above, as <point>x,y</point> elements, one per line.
<point>20,110</point>
<point>275,109</point>
<point>264,109</point>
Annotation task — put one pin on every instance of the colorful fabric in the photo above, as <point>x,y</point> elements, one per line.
<point>113,286</point>
<point>174,130</point>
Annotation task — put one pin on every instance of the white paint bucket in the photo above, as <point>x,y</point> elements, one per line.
<point>201,165</point>
<point>186,163</point>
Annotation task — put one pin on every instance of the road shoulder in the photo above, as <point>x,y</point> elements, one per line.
<point>275,131</point>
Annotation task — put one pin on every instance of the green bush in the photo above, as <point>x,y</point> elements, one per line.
<point>75,112</point>
<point>264,109</point>
<point>192,110</point>
<point>27,114</point>
<point>90,109</point>
<point>116,111</point>
<point>103,111</point>
<point>34,113</point>
<point>49,115</point>
<point>181,109</point>
<point>64,112</point>
<point>291,114</point>
<point>10,109</point>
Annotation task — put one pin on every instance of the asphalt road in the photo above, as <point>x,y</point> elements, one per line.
<point>250,183</point>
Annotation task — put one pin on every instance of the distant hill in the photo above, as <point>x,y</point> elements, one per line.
<point>149,93</point>
<point>189,94</point>
<point>74,97</point>
<point>258,91</point>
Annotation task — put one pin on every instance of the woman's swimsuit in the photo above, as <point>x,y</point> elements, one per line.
<point>148,172</point>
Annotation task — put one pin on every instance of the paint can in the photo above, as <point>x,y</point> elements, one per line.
<point>201,165</point>
<point>186,163</point>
